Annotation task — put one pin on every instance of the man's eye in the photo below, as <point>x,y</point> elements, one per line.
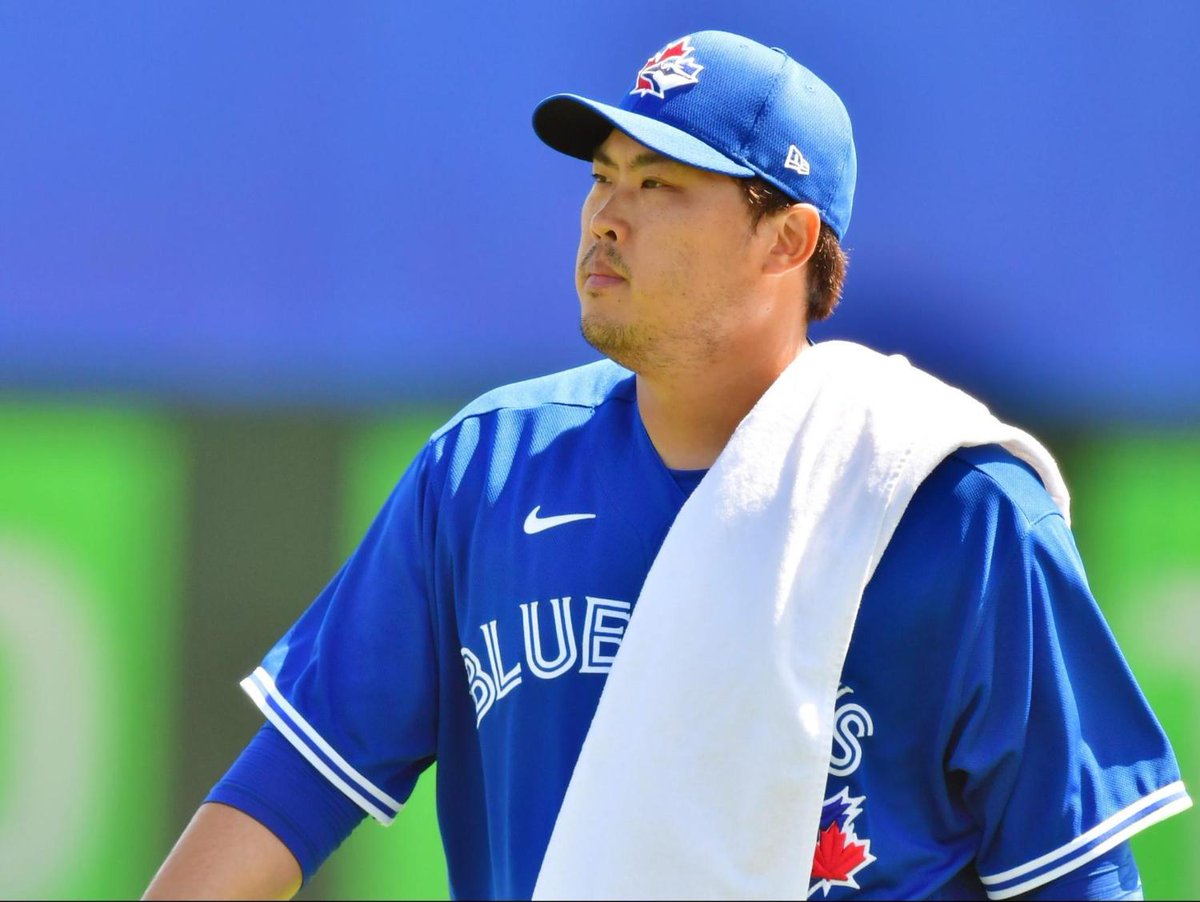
<point>598,178</point>
<point>652,183</point>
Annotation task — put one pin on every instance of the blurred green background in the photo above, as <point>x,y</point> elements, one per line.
<point>151,556</point>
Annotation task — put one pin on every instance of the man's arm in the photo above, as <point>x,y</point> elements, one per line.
<point>225,854</point>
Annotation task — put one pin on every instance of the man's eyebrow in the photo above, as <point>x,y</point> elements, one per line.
<point>645,158</point>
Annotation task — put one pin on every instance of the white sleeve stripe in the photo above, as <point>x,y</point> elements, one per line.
<point>268,684</point>
<point>1099,830</point>
<point>1159,814</point>
<point>318,744</point>
<point>315,741</point>
<point>253,690</point>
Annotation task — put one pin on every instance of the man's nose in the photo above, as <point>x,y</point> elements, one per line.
<point>608,221</point>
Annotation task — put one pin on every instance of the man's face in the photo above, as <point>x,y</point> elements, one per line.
<point>668,262</point>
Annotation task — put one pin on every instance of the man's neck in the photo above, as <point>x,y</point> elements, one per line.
<point>690,417</point>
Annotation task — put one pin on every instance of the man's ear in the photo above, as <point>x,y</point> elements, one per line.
<point>795,230</point>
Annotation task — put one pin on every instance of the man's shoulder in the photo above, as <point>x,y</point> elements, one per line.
<point>981,507</point>
<point>987,478</point>
<point>584,387</point>
<point>961,556</point>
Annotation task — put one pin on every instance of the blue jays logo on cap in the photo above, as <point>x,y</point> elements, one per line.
<point>670,68</point>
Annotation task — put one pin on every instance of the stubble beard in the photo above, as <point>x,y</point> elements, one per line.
<point>646,351</point>
<point>628,345</point>
<point>639,347</point>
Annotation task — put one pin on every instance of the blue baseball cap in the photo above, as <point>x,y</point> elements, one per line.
<point>725,103</point>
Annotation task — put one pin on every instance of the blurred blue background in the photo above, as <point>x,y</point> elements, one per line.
<point>345,205</point>
<point>237,241</point>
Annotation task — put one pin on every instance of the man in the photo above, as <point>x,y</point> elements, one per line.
<point>987,738</point>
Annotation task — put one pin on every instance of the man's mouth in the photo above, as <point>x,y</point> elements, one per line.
<point>598,272</point>
<point>596,280</point>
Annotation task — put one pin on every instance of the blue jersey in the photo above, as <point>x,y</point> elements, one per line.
<point>989,736</point>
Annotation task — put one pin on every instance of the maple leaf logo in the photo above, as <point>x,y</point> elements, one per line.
<point>839,853</point>
<point>670,68</point>
<point>834,858</point>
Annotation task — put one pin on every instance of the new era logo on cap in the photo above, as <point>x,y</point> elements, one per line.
<point>795,161</point>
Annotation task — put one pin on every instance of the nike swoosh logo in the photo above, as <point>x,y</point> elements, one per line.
<point>535,524</point>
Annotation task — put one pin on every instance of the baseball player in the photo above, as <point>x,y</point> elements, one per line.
<point>988,738</point>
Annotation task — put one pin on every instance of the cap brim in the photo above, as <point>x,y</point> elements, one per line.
<point>576,126</point>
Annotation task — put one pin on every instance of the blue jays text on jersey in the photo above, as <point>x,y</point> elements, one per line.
<point>973,755</point>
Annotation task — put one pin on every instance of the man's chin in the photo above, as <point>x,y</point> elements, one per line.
<point>620,343</point>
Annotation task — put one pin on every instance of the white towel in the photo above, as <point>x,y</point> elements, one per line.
<point>703,773</point>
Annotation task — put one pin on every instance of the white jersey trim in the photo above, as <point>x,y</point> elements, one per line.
<point>1079,851</point>
<point>262,690</point>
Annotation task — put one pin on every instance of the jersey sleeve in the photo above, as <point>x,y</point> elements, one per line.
<point>1112,876</point>
<point>353,684</point>
<point>273,783</point>
<point>1056,753</point>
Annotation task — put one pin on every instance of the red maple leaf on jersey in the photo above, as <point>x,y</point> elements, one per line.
<point>833,858</point>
